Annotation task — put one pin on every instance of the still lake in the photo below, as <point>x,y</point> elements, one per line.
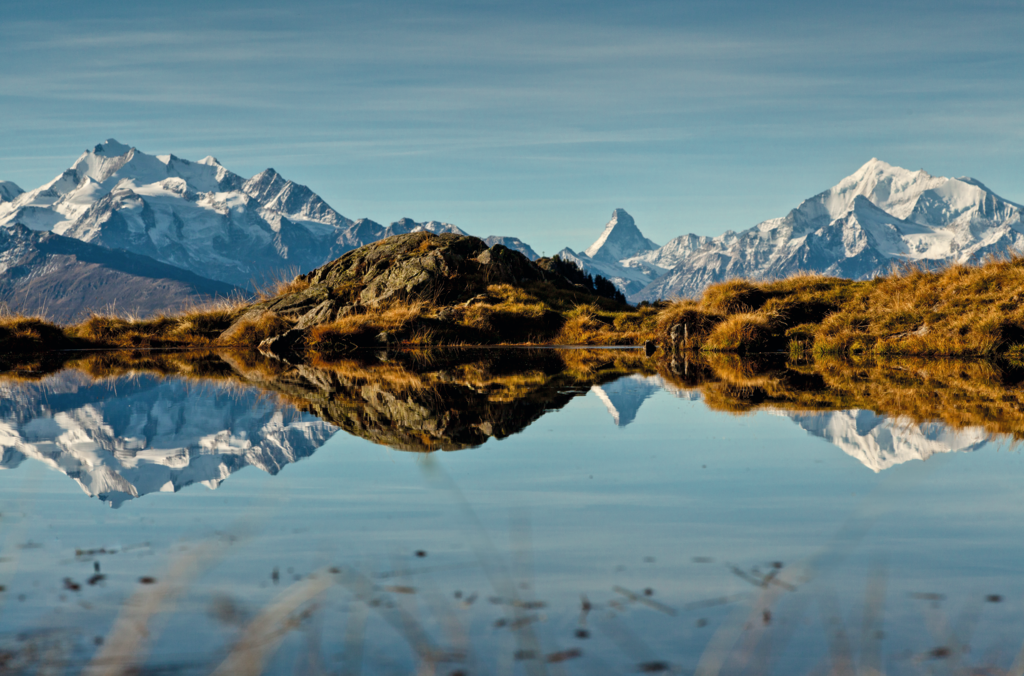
<point>153,523</point>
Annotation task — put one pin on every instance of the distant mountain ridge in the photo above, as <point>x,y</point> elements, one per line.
<point>198,216</point>
<point>203,218</point>
<point>64,279</point>
<point>878,216</point>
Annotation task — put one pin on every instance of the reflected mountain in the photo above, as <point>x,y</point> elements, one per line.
<point>880,442</point>
<point>624,397</point>
<point>127,424</point>
<point>125,437</point>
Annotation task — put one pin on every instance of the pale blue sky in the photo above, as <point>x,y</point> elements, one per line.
<point>533,119</point>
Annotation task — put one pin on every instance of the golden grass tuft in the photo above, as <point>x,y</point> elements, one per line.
<point>353,330</point>
<point>26,334</point>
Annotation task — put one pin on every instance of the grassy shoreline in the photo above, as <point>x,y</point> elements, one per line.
<point>959,311</point>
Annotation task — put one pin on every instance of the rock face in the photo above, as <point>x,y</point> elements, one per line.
<point>64,279</point>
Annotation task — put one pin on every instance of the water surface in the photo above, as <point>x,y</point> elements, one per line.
<point>511,513</point>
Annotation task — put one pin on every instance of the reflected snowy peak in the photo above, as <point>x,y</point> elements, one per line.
<point>624,397</point>
<point>127,437</point>
<point>880,442</point>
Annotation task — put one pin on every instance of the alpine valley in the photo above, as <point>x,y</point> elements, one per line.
<point>156,233</point>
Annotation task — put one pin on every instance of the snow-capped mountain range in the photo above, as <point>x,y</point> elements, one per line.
<point>201,217</point>
<point>123,438</point>
<point>877,216</point>
<point>198,216</point>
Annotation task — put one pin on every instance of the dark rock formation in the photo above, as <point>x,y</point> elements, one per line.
<point>440,270</point>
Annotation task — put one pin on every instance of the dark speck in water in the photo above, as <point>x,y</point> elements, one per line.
<point>71,585</point>
<point>940,653</point>
<point>563,655</point>
<point>146,579</point>
<point>701,622</point>
<point>98,577</point>
<point>582,633</point>
<point>420,553</point>
<point>654,667</point>
<point>994,598</point>
<point>648,592</point>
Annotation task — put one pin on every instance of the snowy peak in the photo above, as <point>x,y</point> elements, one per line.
<point>111,148</point>
<point>876,216</point>
<point>917,196</point>
<point>404,226</point>
<point>292,199</point>
<point>264,186</point>
<point>620,239</point>
<point>513,243</point>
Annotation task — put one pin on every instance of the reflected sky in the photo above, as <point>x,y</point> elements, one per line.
<point>663,495</point>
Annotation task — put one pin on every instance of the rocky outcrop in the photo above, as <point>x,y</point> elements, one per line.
<point>439,270</point>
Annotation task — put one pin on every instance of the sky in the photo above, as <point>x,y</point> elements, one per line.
<point>530,119</point>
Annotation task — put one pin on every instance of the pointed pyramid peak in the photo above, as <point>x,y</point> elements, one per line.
<point>210,161</point>
<point>620,239</point>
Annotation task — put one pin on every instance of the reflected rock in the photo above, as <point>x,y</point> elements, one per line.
<point>125,437</point>
<point>447,401</point>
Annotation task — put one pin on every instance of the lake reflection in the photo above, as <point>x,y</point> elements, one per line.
<point>618,514</point>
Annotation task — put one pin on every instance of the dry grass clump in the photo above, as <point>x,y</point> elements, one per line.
<point>346,333</point>
<point>590,324</point>
<point>20,333</point>
<point>193,327</point>
<point>742,316</point>
<point>960,311</point>
<point>252,332</point>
